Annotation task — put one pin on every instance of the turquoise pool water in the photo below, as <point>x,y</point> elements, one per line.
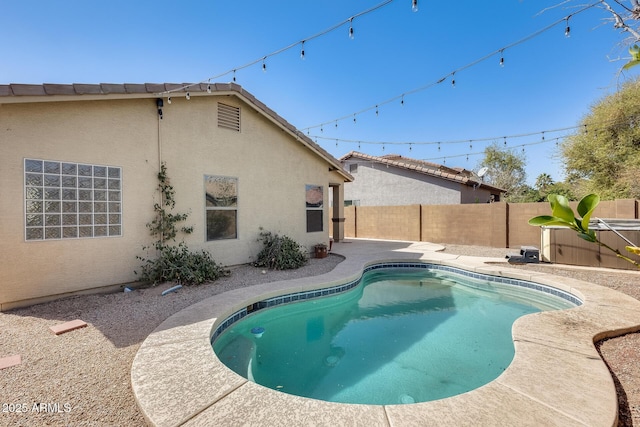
<point>403,336</point>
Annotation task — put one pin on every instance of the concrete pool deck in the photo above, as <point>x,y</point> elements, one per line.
<point>556,378</point>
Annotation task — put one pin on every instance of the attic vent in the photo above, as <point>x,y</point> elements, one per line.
<point>228,117</point>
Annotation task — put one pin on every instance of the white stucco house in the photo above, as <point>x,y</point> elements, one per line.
<point>79,171</point>
<point>394,180</point>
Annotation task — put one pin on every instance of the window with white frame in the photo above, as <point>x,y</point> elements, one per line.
<point>221,201</point>
<point>314,198</point>
<point>65,200</point>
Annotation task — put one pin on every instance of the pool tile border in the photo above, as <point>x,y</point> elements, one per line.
<point>323,292</point>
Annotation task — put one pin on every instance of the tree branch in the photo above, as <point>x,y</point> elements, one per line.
<point>636,9</point>
<point>620,21</point>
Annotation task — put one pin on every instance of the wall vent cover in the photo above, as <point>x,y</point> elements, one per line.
<point>228,117</point>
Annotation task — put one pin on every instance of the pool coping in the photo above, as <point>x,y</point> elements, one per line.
<point>556,378</point>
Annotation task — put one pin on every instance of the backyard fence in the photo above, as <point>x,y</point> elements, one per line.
<point>500,225</point>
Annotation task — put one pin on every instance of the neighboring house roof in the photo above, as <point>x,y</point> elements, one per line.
<point>459,175</point>
<point>18,93</point>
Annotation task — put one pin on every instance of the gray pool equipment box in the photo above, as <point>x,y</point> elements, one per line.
<point>528,254</point>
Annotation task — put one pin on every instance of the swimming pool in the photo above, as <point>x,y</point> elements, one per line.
<point>556,377</point>
<point>406,333</point>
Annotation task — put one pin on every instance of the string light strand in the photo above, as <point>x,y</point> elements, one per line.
<point>480,153</point>
<point>474,140</point>
<point>284,49</point>
<point>471,64</point>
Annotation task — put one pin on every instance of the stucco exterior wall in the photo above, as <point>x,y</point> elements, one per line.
<point>114,133</point>
<point>271,166</point>
<point>470,194</point>
<point>377,185</point>
<point>272,172</point>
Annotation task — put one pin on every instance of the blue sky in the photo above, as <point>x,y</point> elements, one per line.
<point>547,82</point>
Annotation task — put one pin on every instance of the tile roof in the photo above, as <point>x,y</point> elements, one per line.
<point>459,175</point>
<point>75,89</point>
<point>424,163</point>
<point>49,92</point>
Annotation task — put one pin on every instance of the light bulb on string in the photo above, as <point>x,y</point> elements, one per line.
<point>264,65</point>
<point>586,131</point>
<point>302,50</point>
<point>502,58</point>
<point>567,31</point>
<point>336,142</point>
<point>321,129</point>
<point>409,146</point>
<point>414,5</point>
<point>505,141</point>
<point>444,160</point>
<point>377,112</point>
<point>351,28</point>
<point>470,145</point>
<point>453,79</point>
<point>188,96</point>
<point>402,100</point>
<point>234,76</point>
<point>168,100</point>
<point>354,118</point>
<point>336,124</point>
<point>438,145</point>
<point>209,88</point>
<point>467,157</point>
<point>543,135</point>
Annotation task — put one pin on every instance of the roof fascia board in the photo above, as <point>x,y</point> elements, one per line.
<point>21,99</point>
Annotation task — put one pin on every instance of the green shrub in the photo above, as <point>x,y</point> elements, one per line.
<point>280,252</point>
<point>179,264</point>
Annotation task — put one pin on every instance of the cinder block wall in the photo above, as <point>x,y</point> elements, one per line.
<point>350,221</point>
<point>388,222</point>
<point>478,224</point>
<point>520,233</point>
<point>500,225</point>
